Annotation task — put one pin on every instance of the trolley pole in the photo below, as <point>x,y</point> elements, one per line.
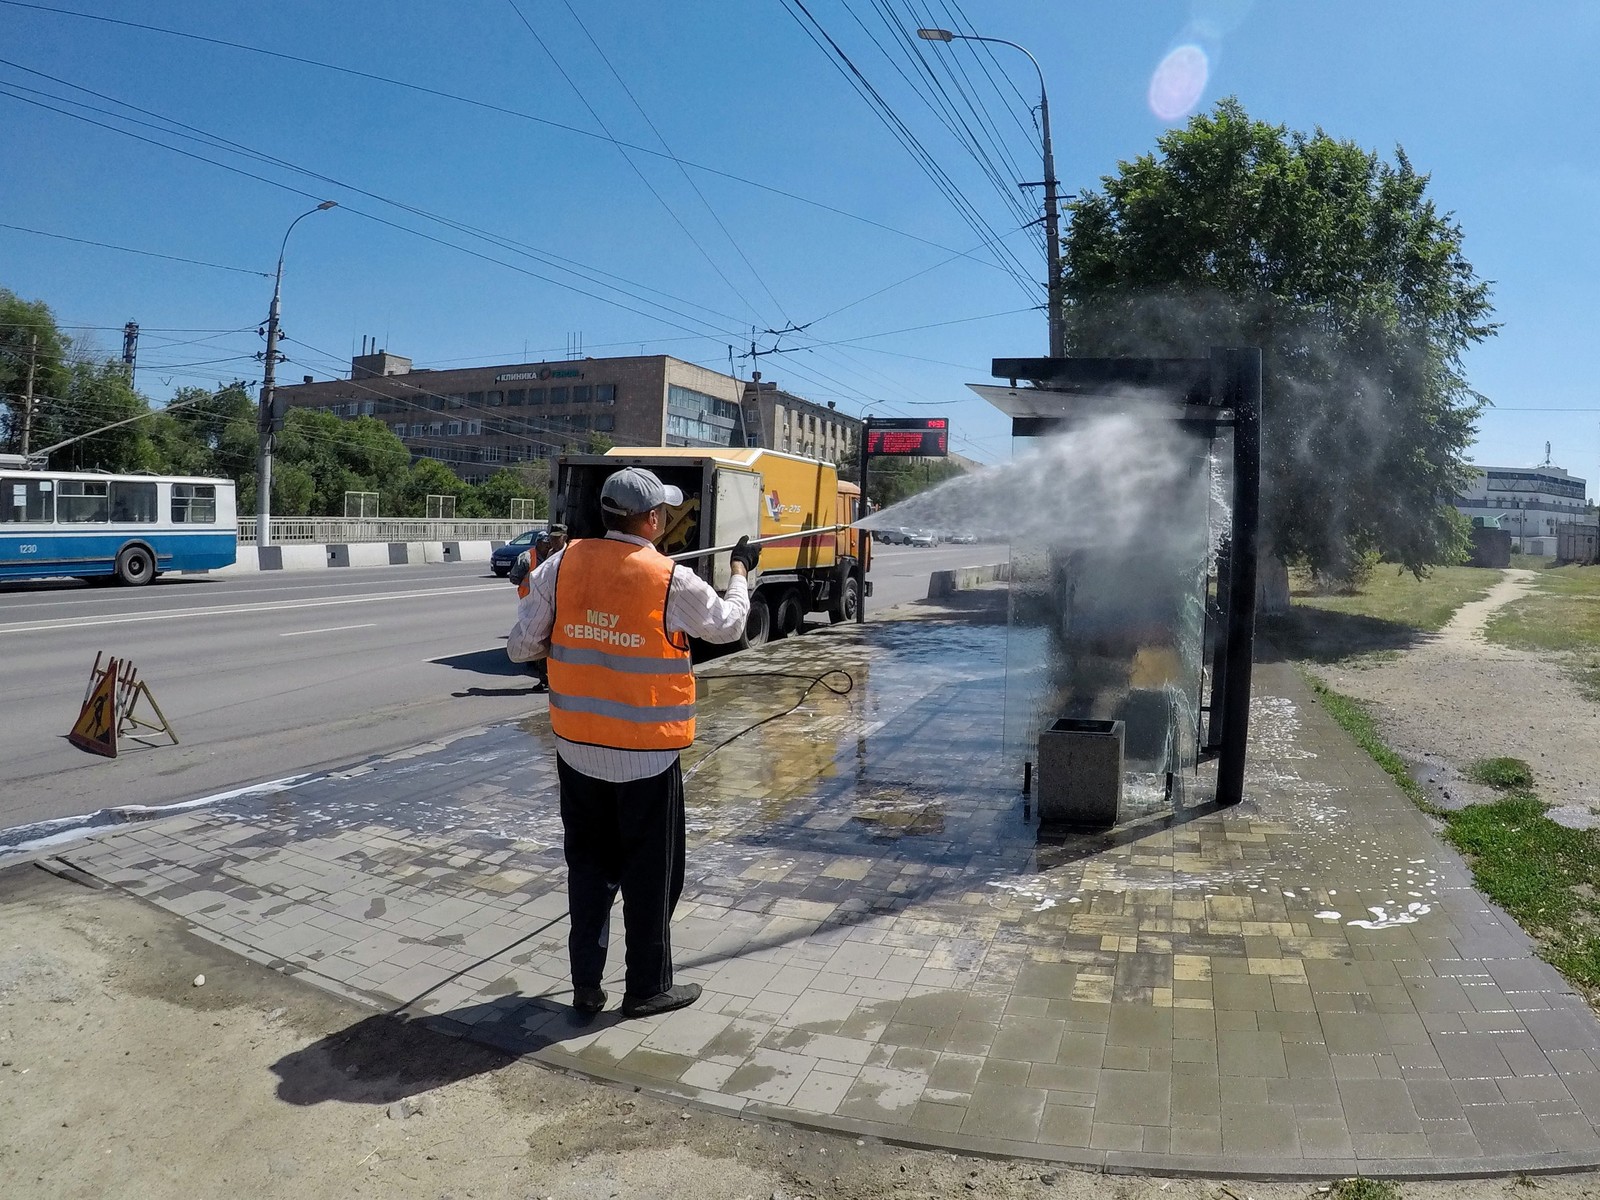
<point>27,394</point>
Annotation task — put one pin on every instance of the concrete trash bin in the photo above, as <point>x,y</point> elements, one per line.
<point>1080,773</point>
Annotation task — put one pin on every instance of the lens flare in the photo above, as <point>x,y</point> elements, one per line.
<point>1177,83</point>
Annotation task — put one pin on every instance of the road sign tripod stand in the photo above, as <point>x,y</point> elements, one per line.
<point>129,689</point>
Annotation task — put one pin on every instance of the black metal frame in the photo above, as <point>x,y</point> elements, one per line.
<point>1222,391</point>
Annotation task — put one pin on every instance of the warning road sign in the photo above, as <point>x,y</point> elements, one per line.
<point>96,727</point>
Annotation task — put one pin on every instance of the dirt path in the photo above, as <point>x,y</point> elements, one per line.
<point>1456,697</point>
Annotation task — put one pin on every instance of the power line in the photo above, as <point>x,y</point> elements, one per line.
<point>214,141</point>
<point>130,250</point>
<point>503,110</point>
<point>689,179</point>
<point>903,134</point>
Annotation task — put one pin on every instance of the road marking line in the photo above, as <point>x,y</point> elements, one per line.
<point>330,629</point>
<point>235,610</point>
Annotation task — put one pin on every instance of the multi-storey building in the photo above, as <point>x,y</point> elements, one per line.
<point>479,419</point>
<point>780,420</point>
<point>1529,503</point>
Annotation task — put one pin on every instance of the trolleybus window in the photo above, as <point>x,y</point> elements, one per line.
<point>27,500</point>
<point>133,502</point>
<point>83,500</point>
<point>194,503</point>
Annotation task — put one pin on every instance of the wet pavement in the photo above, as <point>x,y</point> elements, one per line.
<point>1307,984</point>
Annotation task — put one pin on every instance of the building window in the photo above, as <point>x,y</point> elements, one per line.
<point>474,427</point>
<point>605,393</point>
<point>452,429</point>
<point>416,430</point>
<point>495,399</point>
<point>605,422</point>
<point>435,428</point>
<point>558,395</point>
<point>580,393</point>
<point>515,397</point>
<point>475,399</point>
<point>535,395</point>
<point>135,503</point>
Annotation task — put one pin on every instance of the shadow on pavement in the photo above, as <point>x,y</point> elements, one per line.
<point>492,661</point>
<point>379,1060</point>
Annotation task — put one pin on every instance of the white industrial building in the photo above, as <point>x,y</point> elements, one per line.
<point>1527,502</point>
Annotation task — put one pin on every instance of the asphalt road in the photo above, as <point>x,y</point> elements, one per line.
<point>272,675</point>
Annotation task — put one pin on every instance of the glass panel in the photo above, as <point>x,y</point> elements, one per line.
<point>82,500</point>
<point>558,395</point>
<point>605,393</point>
<point>494,399</point>
<point>580,393</point>
<point>194,503</point>
<point>515,396</point>
<point>535,395</point>
<point>133,503</point>
<point>27,500</point>
<point>475,399</point>
<point>1107,616</point>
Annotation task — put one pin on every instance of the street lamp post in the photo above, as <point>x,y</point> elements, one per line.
<point>264,422</point>
<point>1052,212</point>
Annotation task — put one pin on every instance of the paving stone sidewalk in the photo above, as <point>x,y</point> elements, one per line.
<point>1307,984</point>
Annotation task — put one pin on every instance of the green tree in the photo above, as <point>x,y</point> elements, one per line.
<point>28,332</point>
<point>496,492</point>
<point>318,458</point>
<point>891,480</point>
<point>1341,268</point>
<point>98,394</point>
<point>431,478</point>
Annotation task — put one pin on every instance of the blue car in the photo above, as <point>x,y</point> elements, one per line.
<point>502,560</point>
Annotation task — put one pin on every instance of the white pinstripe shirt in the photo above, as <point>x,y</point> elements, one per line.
<point>693,607</point>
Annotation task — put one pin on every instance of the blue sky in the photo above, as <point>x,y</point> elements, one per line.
<point>1496,101</point>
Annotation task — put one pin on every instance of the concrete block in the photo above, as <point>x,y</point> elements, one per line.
<point>432,552</point>
<point>338,555</point>
<point>960,579</point>
<point>302,556</point>
<point>399,554</point>
<point>368,554</point>
<point>474,551</point>
<point>269,558</point>
<point>1080,773</point>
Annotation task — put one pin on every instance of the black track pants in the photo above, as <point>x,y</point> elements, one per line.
<point>627,836</point>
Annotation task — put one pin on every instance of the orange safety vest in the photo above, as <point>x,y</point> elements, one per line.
<point>617,677</point>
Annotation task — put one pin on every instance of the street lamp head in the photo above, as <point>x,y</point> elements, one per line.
<point>936,35</point>
<point>326,205</point>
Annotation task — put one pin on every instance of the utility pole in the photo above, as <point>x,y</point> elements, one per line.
<point>1052,213</point>
<point>266,423</point>
<point>27,395</point>
<point>1052,230</point>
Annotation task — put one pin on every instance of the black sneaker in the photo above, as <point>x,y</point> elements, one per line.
<point>588,1000</point>
<point>679,995</point>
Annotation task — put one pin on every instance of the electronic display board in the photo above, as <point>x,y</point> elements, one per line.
<point>909,437</point>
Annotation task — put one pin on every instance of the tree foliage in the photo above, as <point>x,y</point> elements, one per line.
<point>1341,268</point>
<point>202,431</point>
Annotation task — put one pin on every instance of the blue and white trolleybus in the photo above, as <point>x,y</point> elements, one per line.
<point>130,527</point>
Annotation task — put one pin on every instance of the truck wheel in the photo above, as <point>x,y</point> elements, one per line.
<point>758,625</point>
<point>134,566</point>
<point>847,602</point>
<point>791,614</point>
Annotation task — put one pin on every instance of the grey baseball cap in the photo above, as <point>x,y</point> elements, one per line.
<point>634,490</point>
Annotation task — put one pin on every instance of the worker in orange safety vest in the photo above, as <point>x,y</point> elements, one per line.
<point>614,616</point>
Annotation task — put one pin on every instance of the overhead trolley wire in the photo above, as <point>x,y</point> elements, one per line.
<point>131,250</point>
<point>643,178</point>
<point>908,140</point>
<point>214,141</point>
<point>688,178</point>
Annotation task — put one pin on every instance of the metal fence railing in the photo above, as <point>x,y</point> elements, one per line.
<point>340,530</point>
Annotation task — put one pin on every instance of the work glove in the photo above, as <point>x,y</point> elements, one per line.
<point>745,553</point>
<point>520,568</point>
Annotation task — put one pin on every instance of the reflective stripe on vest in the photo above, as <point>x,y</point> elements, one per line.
<point>617,678</point>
